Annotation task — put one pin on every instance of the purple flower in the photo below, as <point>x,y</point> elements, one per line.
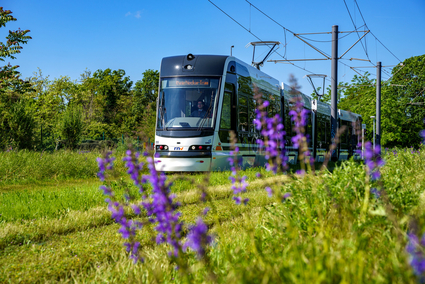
<point>133,249</point>
<point>104,164</point>
<point>286,196</point>
<point>269,191</point>
<point>375,192</point>
<point>415,249</point>
<point>373,160</point>
<point>134,168</point>
<point>198,238</point>
<point>271,128</point>
<point>299,115</point>
<point>162,210</point>
<point>239,184</point>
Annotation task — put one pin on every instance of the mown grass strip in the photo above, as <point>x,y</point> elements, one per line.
<point>27,231</point>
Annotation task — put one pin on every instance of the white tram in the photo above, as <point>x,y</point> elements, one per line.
<point>202,98</point>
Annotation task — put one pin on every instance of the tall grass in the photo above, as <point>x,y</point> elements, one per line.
<point>28,166</point>
<point>316,236</point>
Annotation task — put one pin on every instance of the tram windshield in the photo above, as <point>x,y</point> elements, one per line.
<point>187,103</point>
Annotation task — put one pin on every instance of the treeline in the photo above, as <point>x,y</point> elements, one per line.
<point>47,113</point>
<point>402,102</point>
<point>39,113</point>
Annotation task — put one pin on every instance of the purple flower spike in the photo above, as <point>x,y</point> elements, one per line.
<point>271,128</point>
<point>162,210</point>
<point>416,249</point>
<point>299,115</point>
<point>375,192</point>
<point>198,238</point>
<point>239,184</point>
<point>104,164</point>
<point>134,168</point>
<point>373,160</point>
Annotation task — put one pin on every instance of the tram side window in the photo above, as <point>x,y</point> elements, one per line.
<point>225,121</point>
<point>309,128</point>
<point>252,106</point>
<point>288,124</point>
<point>328,131</point>
<point>243,114</point>
<point>321,131</point>
<point>344,135</point>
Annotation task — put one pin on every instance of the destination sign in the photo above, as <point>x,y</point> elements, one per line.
<point>184,82</point>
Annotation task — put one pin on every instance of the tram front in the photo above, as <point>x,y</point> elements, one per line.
<point>186,112</point>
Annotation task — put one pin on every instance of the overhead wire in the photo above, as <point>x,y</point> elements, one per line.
<point>258,37</point>
<point>295,35</point>
<point>354,24</point>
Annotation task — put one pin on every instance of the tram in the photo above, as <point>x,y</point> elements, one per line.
<point>203,98</point>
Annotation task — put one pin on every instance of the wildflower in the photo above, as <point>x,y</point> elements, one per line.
<point>375,192</point>
<point>286,196</point>
<point>133,249</point>
<point>416,251</point>
<point>299,115</point>
<point>104,164</point>
<point>274,136</point>
<point>239,183</point>
<point>373,160</point>
<point>269,191</point>
<point>162,210</point>
<point>134,169</point>
<point>198,238</point>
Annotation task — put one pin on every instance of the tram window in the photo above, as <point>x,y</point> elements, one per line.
<point>243,114</point>
<point>252,106</point>
<point>344,135</point>
<point>321,131</point>
<point>328,130</point>
<point>308,129</point>
<point>225,121</point>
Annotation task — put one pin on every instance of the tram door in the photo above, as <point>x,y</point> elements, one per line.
<point>228,120</point>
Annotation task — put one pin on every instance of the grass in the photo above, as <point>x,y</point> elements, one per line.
<point>61,231</point>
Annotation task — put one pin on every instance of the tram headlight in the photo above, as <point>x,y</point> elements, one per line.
<point>166,147</point>
<point>193,147</point>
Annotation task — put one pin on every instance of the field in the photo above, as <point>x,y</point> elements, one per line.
<point>55,225</point>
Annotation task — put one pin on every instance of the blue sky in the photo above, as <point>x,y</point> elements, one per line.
<point>72,36</point>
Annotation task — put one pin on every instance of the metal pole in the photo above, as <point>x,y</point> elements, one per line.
<point>373,131</point>
<point>334,90</point>
<point>378,103</point>
<point>314,134</point>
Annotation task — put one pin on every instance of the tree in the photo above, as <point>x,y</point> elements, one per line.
<point>111,91</point>
<point>402,103</point>
<point>12,88</point>
<point>145,93</point>
<point>326,98</point>
<point>71,126</point>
